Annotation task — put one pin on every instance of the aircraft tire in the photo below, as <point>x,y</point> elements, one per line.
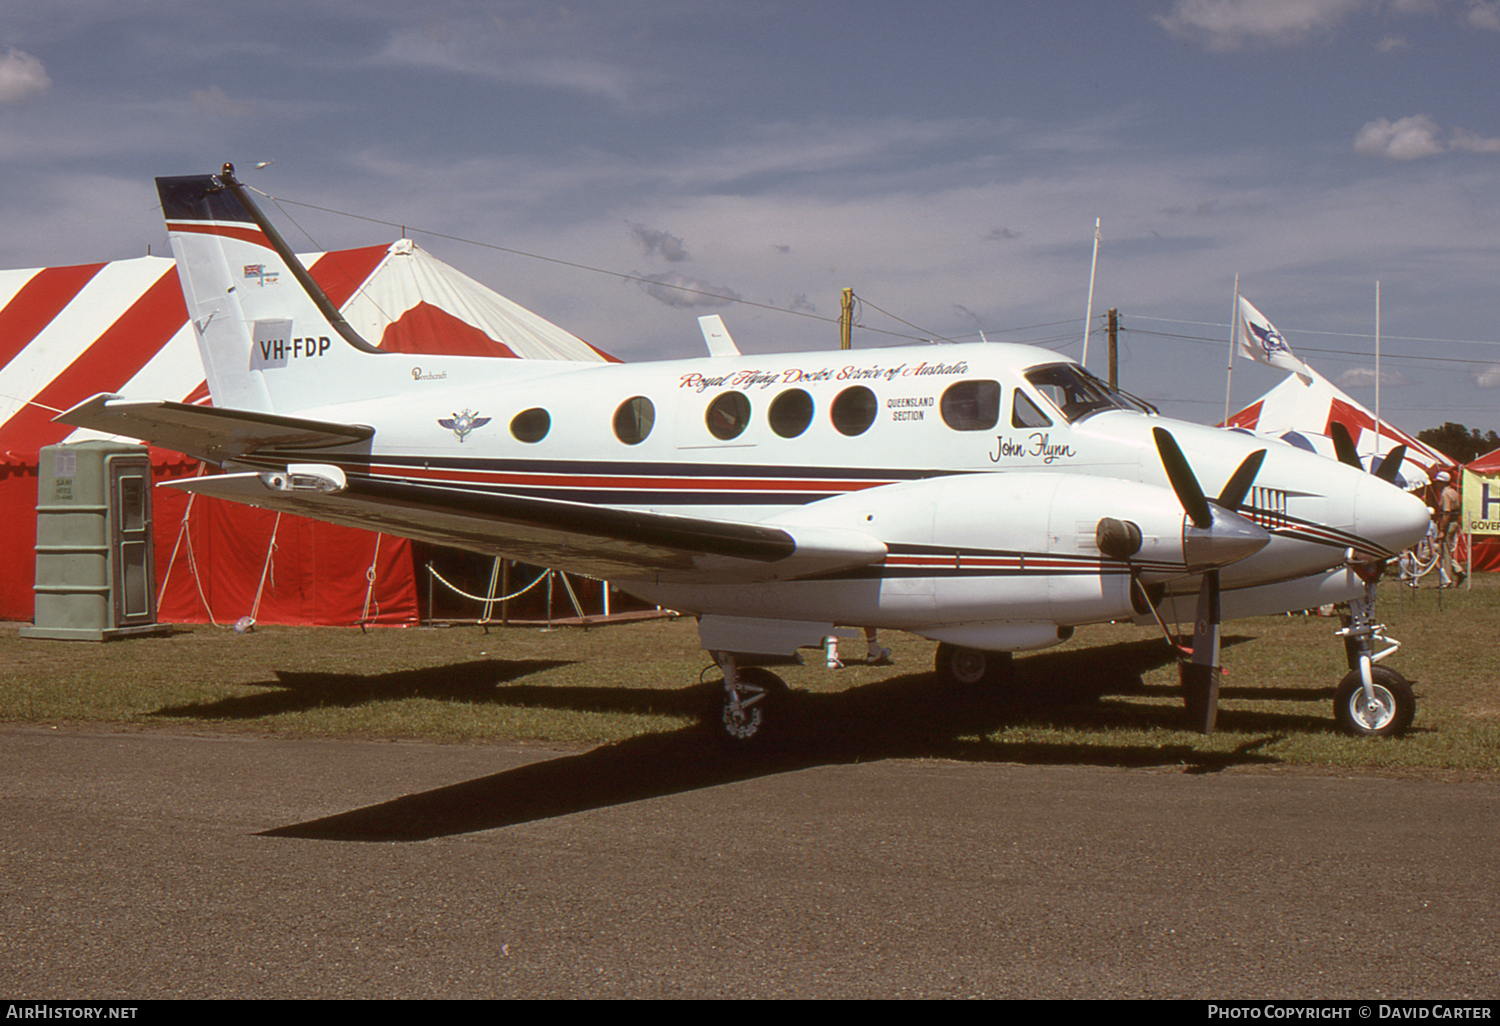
<point>761,696</point>
<point>1393,695</point>
<point>968,667</point>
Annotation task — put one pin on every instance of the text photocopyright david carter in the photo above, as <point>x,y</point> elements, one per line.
<point>1356,1010</point>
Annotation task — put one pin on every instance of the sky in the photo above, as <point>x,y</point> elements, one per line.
<point>624,167</point>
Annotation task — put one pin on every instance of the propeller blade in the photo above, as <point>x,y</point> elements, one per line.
<point>1343,444</point>
<point>1238,485</point>
<point>1194,503</point>
<point>1391,465</point>
<point>1200,676</point>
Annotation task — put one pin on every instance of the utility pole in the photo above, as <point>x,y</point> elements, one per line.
<point>1114,348</point>
<point>846,321</point>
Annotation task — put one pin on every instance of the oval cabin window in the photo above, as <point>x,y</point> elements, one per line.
<point>634,419</point>
<point>531,425</point>
<point>790,413</point>
<point>728,415</point>
<point>854,410</point>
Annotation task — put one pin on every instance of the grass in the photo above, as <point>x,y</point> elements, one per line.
<point>1108,697</point>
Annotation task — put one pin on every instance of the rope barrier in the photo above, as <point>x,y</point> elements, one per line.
<point>485,598</point>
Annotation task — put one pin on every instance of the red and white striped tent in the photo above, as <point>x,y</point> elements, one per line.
<point>67,333</point>
<point>1303,412</point>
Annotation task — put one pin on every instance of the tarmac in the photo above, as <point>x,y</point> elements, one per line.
<point>171,865</point>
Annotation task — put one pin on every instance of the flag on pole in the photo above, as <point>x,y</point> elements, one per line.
<point>1261,342</point>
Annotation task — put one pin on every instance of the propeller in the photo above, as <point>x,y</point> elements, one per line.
<point>1343,445</point>
<point>1220,538</point>
<point>1184,482</point>
<point>1391,465</point>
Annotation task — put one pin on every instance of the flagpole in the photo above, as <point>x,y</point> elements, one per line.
<point>1377,373</point>
<point>1088,314</point>
<point>1234,331</point>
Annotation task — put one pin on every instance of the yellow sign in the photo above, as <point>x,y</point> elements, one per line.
<point>1481,503</point>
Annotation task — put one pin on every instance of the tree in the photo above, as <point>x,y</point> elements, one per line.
<point>1458,443</point>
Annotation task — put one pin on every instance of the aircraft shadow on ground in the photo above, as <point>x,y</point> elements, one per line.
<point>294,692</point>
<point>912,715</point>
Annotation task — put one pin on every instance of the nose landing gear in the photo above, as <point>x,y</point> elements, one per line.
<point>1371,701</point>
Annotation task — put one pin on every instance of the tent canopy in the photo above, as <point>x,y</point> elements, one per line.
<point>1302,413</point>
<point>67,333</point>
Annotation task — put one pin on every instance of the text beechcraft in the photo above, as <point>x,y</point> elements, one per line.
<point>990,497</point>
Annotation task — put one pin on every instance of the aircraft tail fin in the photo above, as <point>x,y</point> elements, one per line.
<point>270,340</point>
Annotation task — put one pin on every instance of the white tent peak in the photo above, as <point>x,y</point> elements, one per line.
<point>1302,410</point>
<point>413,302</point>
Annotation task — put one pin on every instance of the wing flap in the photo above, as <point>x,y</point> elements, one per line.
<point>596,541</point>
<point>205,432</point>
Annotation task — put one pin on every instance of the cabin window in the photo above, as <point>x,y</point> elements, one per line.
<point>854,410</point>
<point>790,413</point>
<point>634,419</point>
<point>1026,414</point>
<point>531,425</point>
<point>728,415</point>
<point>971,405</point>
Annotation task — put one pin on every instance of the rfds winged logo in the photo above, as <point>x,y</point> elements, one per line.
<point>1270,339</point>
<point>462,423</point>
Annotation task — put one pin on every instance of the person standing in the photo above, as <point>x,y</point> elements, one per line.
<point>1449,514</point>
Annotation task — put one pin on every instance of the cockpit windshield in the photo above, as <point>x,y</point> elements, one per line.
<point>1076,393</point>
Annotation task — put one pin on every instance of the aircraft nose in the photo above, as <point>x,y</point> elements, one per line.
<point>1386,515</point>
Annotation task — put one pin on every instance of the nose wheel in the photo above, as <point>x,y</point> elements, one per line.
<point>1385,712</point>
<point>1371,700</point>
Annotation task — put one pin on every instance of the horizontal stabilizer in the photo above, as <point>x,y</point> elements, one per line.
<point>595,541</point>
<point>205,432</point>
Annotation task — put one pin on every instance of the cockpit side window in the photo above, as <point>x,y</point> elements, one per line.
<point>1026,414</point>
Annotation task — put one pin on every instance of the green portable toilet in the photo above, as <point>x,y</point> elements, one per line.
<point>95,559</point>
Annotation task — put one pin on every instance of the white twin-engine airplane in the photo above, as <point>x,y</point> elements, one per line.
<point>990,497</point>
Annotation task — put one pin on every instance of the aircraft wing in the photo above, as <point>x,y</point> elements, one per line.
<point>595,541</point>
<point>205,432</point>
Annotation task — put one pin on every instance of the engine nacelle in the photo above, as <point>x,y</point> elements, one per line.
<point>1027,547</point>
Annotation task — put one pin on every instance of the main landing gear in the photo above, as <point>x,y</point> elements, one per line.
<point>970,666</point>
<point>1371,701</point>
<point>753,697</point>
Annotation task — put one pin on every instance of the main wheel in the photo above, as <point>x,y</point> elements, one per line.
<point>1391,713</point>
<point>971,666</point>
<point>759,691</point>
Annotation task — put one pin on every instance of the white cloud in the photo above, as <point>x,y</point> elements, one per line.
<point>1489,377</point>
<point>1463,140</point>
<point>1484,14</point>
<point>1403,139</point>
<point>679,291</point>
<point>1229,24</point>
<point>1416,137</point>
<point>21,76</point>
<point>1363,377</point>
